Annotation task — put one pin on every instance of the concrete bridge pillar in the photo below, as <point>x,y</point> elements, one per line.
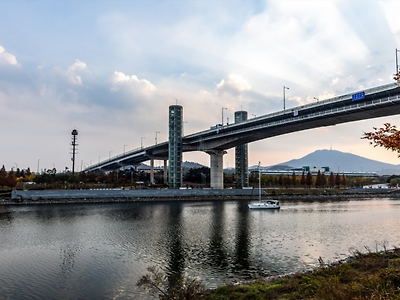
<point>165,171</point>
<point>151,171</point>
<point>216,168</point>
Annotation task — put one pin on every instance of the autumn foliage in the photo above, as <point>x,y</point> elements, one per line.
<point>387,137</point>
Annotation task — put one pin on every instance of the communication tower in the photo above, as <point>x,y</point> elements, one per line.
<point>74,144</point>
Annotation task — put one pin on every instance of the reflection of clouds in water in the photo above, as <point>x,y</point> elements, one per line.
<point>102,251</point>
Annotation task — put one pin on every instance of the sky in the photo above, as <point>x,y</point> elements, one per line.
<point>110,69</point>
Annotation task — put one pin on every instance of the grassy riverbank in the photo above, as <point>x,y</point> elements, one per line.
<point>371,275</point>
<point>367,276</point>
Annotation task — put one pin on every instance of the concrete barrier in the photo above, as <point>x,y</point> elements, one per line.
<point>147,193</point>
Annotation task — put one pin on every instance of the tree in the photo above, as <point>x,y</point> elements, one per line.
<point>309,179</point>
<point>387,137</point>
<point>3,177</point>
<point>344,180</point>
<point>280,180</point>
<point>323,180</point>
<point>11,179</point>
<point>303,179</point>
<point>318,181</point>
<point>338,181</point>
<point>294,179</point>
<point>331,180</point>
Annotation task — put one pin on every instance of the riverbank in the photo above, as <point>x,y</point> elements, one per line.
<point>363,276</point>
<point>34,197</point>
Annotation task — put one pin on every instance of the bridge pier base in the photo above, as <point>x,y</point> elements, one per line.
<point>216,168</point>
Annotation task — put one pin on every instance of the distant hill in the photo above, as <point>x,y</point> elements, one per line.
<point>343,162</point>
<point>191,165</point>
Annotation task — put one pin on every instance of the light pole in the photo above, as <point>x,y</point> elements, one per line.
<point>124,148</point>
<point>109,154</point>
<point>223,116</point>
<point>397,64</point>
<point>284,88</point>
<point>99,158</point>
<point>156,136</point>
<point>183,128</point>
<point>141,142</point>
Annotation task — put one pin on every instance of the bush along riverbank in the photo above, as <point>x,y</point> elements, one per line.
<point>371,275</point>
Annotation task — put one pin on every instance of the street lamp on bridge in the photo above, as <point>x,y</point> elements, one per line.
<point>156,136</point>
<point>141,142</point>
<point>397,75</point>
<point>284,88</point>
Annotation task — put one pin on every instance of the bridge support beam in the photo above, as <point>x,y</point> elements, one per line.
<point>216,168</point>
<point>151,171</point>
<point>165,171</point>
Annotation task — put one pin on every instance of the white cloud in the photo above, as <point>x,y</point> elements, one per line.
<point>72,73</point>
<point>7,58</point>
<point>391,10</point>
<point>334,81</point>
<point>234,84</point>
<point>119,81</point>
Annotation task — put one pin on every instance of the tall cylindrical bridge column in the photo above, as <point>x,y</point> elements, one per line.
<point>241,157</point>
<point>216,168</point>
<point>175,146</point>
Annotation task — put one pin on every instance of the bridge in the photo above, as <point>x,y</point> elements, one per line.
<point>361,105</point>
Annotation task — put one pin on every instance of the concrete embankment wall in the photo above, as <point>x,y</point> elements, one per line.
<point>131,194</point>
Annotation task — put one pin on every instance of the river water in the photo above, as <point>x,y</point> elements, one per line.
<point>99,251</point>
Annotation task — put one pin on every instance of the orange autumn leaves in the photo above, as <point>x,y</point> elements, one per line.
<point>387,137</point>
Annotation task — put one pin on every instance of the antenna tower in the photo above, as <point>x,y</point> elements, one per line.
<point>74,144</point>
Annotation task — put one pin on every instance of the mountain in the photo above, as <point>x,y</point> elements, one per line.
<point>191,165</point>
<point>342,162</point>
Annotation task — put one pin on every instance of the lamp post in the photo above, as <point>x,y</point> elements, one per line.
<point>109,154</point>
<point>124,148</point>
<point>38,165</point>
<point>156,136</point>
<point>183,127</point>
<point>284,88</point>
<point>141,142</point>
<point>397,64</point>
<point>223,116</point>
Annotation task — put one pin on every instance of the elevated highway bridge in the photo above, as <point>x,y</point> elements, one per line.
<point>361,105</point>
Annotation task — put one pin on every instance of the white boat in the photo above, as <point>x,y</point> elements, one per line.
<point>268,204</point>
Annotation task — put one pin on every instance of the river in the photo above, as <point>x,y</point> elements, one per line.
<point>99,251</point>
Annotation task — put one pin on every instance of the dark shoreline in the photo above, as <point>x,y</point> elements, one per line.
<point>203,198</point>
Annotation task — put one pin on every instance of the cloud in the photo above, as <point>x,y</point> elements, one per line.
<point>234,85</point>
<point>137,86</point>
<point>72,73</point>
<point>7,58</point>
